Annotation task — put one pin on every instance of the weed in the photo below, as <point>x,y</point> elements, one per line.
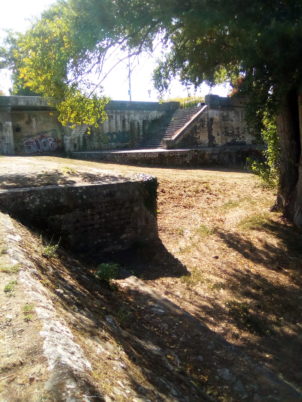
<point>245,318</point>
<point>10,269</point>
<point>195,278</point>
<point>254,222</point>
<point>107,271</point>
<point>49,250</point>
<point>68,170</point>
<point>204,231</point>
<point>3,249</point>
<point>10,287</point>
<point>123,315</point>
<point>27,312</point>
<point>230,205</point>
<point>218,286</point>
<point>180,231</point>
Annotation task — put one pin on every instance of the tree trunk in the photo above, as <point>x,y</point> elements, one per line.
<point>297,218</point>
<point>290,145</point>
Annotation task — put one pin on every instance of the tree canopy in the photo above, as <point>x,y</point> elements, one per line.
<point>257,43</point>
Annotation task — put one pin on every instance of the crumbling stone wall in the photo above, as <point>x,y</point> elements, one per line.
<point>29,126</point>
<point>90,219</point>
<point>222,123</point>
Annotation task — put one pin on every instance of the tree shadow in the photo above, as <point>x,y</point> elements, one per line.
<point>146,260</point>
<point>54,178</point>
<point>178,356</point>
<point>271,256</point>
<point>267,303</point>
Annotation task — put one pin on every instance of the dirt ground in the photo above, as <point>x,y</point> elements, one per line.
<point>210,312</point>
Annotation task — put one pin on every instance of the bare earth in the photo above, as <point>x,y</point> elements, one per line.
<point>210,312</point>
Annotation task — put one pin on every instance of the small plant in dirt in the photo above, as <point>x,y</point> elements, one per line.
<point>49,250</point>
<point>204,231</point>
<point>230,205</point>
<point>3,249</point>
<point>254,222</point>
<point>107,271</point>
<point>68,170</point>
<point>245,318</point>
<point>10,269</point>
<point>27,312</point>
<point>10,287</point>
<point>123,315</point>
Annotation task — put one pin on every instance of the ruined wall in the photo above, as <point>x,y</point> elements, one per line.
<point>36,131</point>
<point>92,219</point>
<point>222,123</point>
<point>7,146</point>
<point>127,124</point>
<point>226,156</point>
<point>29,126</point>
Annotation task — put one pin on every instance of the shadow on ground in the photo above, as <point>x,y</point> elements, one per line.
<point>53,178</point>
<point>176,353</point>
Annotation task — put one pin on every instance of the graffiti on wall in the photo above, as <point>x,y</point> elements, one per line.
<point>43,142</point>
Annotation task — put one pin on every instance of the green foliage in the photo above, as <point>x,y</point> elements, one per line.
<point>259,42</point>
<point>48,60</point>
<point>27,312</point>
<point>10,287</point>
<point>187,102</point>
<point>254,222</point>
<point>49,249</point>
<point>268,170</point>
<point>107,271</point>
<point>10,269</point>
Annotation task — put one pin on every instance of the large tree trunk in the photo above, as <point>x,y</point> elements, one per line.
<point>289,198</point>
<point>297,218</point>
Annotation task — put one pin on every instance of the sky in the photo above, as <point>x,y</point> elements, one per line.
<point>17,15</point>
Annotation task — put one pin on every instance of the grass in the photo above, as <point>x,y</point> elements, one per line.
<point>49,250</point>
<point>68,170</point>
<point>245,318</point>
<point>230,205</point>
<point>10,269</point>
<point>204,231</point>
<point>3,249</point>
<point>10,287</point>
<point>27,312</point>
<point>107,271</point>
<point>254,222</point>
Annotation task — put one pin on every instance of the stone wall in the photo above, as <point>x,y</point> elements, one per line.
<point>36,131</point>
<point>29,126</point>
<point>222,123</point>
<point>90,219</point>
<point>127,125</point>
<point>226,156</point>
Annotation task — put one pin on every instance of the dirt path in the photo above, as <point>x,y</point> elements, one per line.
<point>214,309</point>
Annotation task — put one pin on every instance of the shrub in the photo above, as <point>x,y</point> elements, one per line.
<point>107,271</point>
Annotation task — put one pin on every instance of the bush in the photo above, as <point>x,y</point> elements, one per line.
<point>107,271</point>
<point>268,171</point>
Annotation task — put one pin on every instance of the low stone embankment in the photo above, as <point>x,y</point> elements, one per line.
<point>89,218</point>
<point>229,156</point>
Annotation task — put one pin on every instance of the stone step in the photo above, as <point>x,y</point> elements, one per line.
<point>178,120</point>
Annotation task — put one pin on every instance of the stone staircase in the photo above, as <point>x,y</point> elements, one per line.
<point>178,120</point>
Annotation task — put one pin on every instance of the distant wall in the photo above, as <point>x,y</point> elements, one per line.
<point>127,124</point>
<point>28,125</point>
<point>226,156</point>
<point>222,123</point>
<point>92,219</point>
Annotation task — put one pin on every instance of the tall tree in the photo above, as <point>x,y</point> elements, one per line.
<point>207,40</point>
